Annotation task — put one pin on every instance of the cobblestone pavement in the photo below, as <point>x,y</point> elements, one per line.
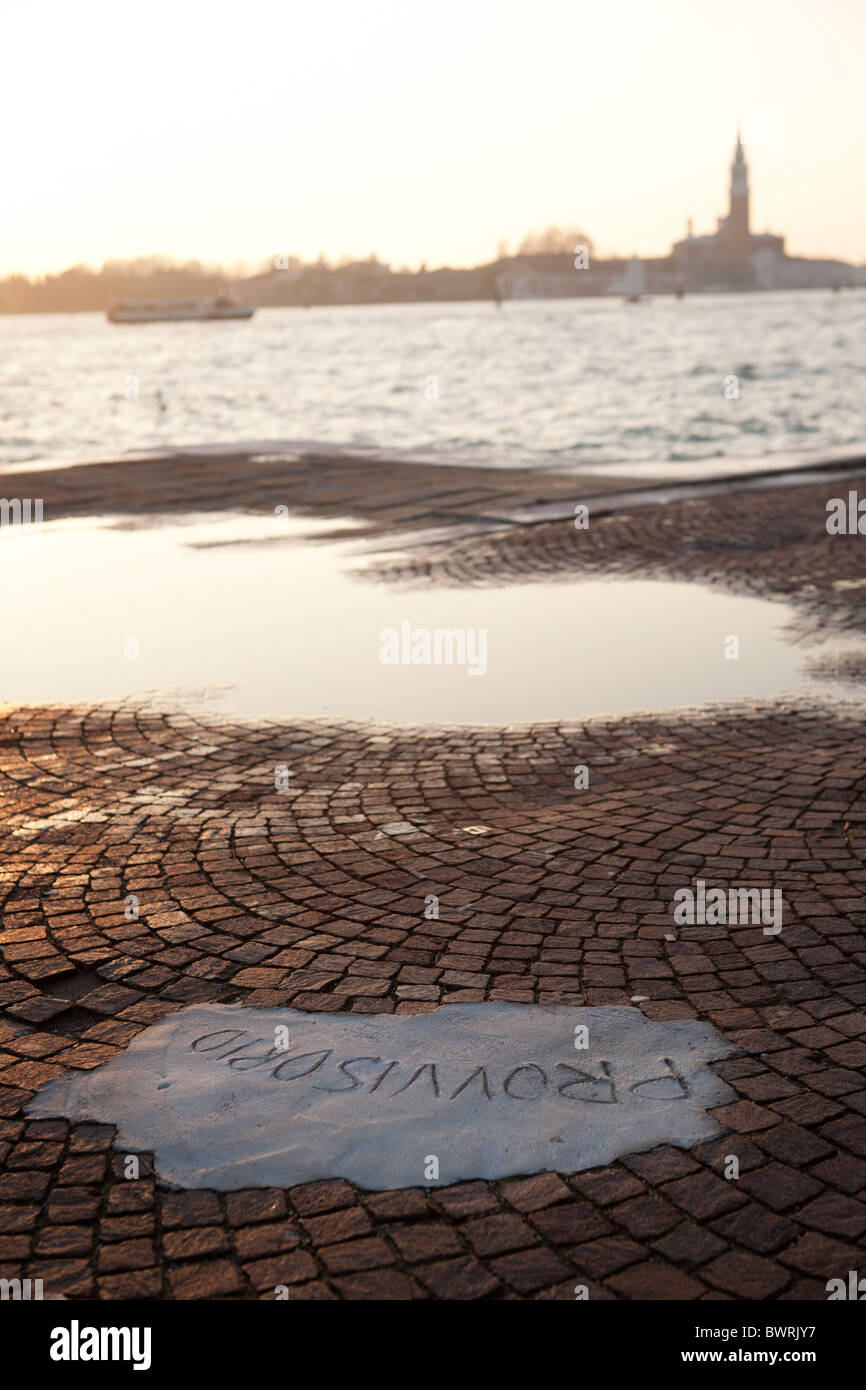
<point>387,496</point>
<point>771,543</point>
<point>314,897</point>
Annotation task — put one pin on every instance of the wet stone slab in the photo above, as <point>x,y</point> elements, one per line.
<point>228,1097</point>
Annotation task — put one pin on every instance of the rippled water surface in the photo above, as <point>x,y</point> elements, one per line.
<point>561,383</point>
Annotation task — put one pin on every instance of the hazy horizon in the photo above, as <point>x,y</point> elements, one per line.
<point>424,135</point>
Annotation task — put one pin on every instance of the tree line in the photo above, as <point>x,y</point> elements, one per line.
<point>82,288</point>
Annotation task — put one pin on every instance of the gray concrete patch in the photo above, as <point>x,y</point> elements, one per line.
<point>225,1099</point>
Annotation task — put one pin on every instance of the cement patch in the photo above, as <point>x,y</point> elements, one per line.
<point>228,1097</point>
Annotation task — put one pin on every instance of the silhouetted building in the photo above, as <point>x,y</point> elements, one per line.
<point>735,257</point>
<point>737,223</point>
<point>726,257</point>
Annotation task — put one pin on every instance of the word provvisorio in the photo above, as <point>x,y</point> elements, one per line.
<point>393,1077</point>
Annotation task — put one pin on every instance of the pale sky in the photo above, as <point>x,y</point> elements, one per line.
<point>422,131</point>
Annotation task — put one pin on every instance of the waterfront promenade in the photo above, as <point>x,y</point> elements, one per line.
<point>314,897</point>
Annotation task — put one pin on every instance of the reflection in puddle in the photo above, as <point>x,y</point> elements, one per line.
<point>847,667</point>
<point>282,631</point>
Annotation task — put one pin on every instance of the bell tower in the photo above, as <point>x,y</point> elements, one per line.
<point>738,218</point>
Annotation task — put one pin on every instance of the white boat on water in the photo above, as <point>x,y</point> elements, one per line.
<point>634,281</point>
<point>631,284</point>
<point>221,306</point>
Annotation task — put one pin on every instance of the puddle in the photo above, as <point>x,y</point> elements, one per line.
<point>283,630</point>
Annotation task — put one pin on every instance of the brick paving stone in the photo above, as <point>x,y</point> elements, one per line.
<point>135,1196</point>
<point>703,1195</point>
<point>204,1279</point>
<point>194,1242</point>
<point>568,1292</point>
<point>689,1245</point>
<point>528,1270</point>
<point>566,1225</point>
<point>780,1188</point>
<point>467,1199</point>
<point>73,1278</point>
<point>745,1275</point>
<point>18,1218</point>
<point>804,1291</point>
<point>337,1226</point>
<point>661,1164</point>
<point>395,1206</point>
<point>607,1186</point>
<point>653,1281</point>
<point>23,1187</point>
<point>744,1117</point>
<point>601,1257</point>
<point>62,1240</point>
<point>67,1206</point>
<point>315,1290</point>
<point>460,1279</point>
<point>190,1209</point>
<point>264,1204</point>
<point>126,1254</point>
<point>18,1247</point>
<point>836,1215</point>
<point>426,1241</point>
<point>138,1284</point>
<point>530,1194</point>
<point>124,1227</point>
<point>793,1144</point>
<point>354,1255</point>
<point>294,1267</point>
<point>265,1239</point>
<point>821,1255</point>
<point>378,1284</point>
<point>494,1235</point>
<point>848,1134</point>
<point>646,1216</point>
<point>761,1231</point>
<point>844,1172</point>
<point>316,1197</point>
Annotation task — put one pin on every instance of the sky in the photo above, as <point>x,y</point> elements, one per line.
<point>422,132</point>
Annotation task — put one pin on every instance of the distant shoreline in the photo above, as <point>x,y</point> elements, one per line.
<point>610,297</point>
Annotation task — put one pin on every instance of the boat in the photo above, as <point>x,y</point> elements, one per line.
<point>220,306</point>
<point>631,283</point>
<point>634,281</point>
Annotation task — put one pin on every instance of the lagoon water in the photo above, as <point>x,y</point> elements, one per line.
<point>284,630</point>
<point>556,383</point>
